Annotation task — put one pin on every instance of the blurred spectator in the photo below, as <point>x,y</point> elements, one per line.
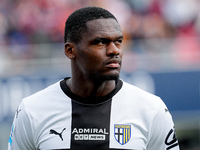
<point>34,22</point>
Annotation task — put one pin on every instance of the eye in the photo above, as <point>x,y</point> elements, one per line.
<point>118,42</point>
<point>100,41</point>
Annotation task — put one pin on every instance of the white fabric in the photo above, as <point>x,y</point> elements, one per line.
<point>147,116</point>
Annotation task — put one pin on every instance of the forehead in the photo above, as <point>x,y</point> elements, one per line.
<point>103,28</point>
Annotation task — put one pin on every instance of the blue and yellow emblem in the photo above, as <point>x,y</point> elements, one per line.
<point>122,133</point>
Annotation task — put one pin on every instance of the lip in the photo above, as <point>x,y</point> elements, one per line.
<point>113,63</point>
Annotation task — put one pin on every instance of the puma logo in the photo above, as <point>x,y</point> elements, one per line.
<point>17,112</point>
<point>56,133</point>
<point>166,110</point>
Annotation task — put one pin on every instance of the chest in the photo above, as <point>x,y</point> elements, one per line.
<point>104,126</point>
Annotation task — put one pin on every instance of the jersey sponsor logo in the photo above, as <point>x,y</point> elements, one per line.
<point>122,133</point>
<point>89,137</point>
<point>56,133</point>
<point>89,134</point>
<point>171,140</point>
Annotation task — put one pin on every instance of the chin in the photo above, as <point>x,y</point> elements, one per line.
<point>111,77</point>
<point>102,78</point>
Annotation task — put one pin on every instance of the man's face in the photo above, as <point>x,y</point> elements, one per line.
<point>99,53</point>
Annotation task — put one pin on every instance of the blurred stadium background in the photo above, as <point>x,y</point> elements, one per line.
<point>161,54</point>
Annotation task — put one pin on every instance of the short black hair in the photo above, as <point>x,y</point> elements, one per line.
<point>75,25</point>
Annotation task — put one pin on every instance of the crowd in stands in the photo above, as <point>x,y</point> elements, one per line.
<point>36,21</point>
<point>42,21</point>
<point>152,26</point>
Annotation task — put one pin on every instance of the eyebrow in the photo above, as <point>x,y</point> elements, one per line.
<point>121,37</point>
<point>105,38</point>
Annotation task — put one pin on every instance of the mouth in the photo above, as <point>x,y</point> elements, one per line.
<point>113,63</point>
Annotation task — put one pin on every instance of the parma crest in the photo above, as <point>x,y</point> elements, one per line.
<point>122,133</point>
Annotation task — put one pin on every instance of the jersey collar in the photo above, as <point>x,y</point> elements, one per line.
<point>89,100</point>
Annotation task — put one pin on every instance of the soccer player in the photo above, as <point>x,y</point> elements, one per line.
<point>94,108</point>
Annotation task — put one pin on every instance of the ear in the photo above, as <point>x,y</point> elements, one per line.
<point>69,50</point>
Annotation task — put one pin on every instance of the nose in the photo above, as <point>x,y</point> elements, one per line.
<point>112,49</point>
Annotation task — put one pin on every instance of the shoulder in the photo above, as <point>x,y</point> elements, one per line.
<point>44,101</point>
<point>134,91</point>
<point>140,100</point>
<point>44,104</point>
<point>44,94</point>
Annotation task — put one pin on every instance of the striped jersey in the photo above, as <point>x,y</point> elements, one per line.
<point>127,118</point>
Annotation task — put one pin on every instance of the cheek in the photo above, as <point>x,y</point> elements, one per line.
<point>121,55</point>
<point>90,61</point>
<point>95,56</point>
<point>90,57</point>
<point>95,61</point>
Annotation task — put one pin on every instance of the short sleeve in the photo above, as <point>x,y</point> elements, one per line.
<point>162,134</point>
<point>21,136</point>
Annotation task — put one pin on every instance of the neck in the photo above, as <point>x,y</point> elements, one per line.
<point>85,88</point>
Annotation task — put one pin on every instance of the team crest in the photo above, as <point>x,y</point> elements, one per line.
<point>122,133</point>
